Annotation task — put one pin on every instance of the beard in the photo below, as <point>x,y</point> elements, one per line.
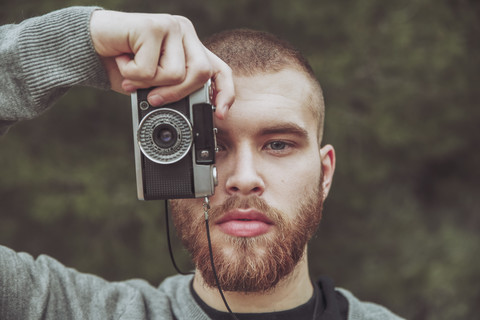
<point>248,264</point>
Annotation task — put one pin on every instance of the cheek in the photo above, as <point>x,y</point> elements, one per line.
<point>286,179</point>
<point>184,211</point>
<point>288,184</point>
<point>298,171</point>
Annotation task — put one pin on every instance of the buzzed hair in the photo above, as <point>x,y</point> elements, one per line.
<point>250,52</point>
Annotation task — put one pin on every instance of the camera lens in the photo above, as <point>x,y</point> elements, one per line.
<point>165,136</point>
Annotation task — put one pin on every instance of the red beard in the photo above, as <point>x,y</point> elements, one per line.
<point>253,264</point>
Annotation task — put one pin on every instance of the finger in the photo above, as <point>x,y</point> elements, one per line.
<point>171,68</point>
<point>142,66</point>
<point>208,64</point>
<point>224,88</point>
<point>167,94</point>
<point>222,83</point>
<point>158,56</point>
<point>171,71</point>
<point>197,66</point>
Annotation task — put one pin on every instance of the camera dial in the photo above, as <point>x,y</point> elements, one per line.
<point>165,136</point>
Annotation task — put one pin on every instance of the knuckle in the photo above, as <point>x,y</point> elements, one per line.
<point>202,70</point>
<point>184,22</point>
<point>166,24</point>
<point>150,24</point>
<point>138,72</point>
<point>204,74</point>
<point>127,72</point>
<point>159,25</point>
<point>175,74</point>
<point>147,74</point>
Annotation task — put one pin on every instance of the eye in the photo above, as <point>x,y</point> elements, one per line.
<point>220,147</point>
<point>277,145</point>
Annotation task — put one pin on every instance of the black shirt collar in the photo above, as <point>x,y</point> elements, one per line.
<point>325,299</point>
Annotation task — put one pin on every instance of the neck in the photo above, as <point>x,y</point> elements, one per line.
<point>292,291</point>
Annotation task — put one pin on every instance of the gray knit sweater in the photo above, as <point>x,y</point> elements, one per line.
<point>40,59</point>
<point>45,289</point>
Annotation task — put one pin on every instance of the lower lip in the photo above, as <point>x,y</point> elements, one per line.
<point>240,228</point>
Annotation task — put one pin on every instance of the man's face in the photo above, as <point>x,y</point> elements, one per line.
<point>268,200</point>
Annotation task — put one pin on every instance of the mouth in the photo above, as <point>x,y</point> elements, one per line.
<point>244,223</point>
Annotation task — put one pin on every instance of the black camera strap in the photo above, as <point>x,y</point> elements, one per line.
<point>167,226</point>
<point>206,207</point>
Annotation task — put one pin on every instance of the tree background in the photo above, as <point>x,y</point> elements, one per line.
<point>401,225</point>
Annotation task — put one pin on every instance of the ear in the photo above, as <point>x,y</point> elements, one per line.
<point>327,154</point>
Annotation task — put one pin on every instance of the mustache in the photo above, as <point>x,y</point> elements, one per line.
<point>237,202</point>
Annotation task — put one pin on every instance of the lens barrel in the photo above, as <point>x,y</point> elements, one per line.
<point>165,136</point>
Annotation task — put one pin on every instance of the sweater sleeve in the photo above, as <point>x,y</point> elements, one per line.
<point>43,288</point>
<point>41,58</point>
<point>360,310</point>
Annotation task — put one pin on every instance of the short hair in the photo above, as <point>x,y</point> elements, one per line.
<point>250,52</point>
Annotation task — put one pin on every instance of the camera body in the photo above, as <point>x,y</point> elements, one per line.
<point>174,146</point>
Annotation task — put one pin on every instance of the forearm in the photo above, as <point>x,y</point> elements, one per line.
<point>44,288</point>
<point>41,58</point>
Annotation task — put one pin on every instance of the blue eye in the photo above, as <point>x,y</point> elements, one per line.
<point>277,145</point>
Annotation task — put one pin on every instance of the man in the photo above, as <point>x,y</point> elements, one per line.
<point>274,175</point>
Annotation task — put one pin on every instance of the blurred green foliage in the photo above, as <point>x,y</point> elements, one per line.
<point>401,225</point>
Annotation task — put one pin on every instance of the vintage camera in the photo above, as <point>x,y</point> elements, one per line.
<point>174,146</point>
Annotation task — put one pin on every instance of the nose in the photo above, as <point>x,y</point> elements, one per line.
<point>244,177</point>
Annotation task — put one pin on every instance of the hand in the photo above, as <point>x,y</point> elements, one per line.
<point>158,50</point>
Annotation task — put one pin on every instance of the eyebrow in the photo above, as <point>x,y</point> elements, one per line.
<point>285,128</point>
<point>280,128</point>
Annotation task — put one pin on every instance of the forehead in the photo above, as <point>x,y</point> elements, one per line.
<point>272,99</point>
<point>288,84</point>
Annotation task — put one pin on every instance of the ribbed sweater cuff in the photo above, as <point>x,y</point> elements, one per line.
<point>57,53</point>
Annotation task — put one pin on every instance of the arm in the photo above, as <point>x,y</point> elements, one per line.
<point>43,57</point>
<point>43,288</point>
